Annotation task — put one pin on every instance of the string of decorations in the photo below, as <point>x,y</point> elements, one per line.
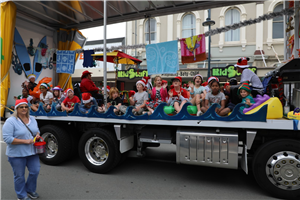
<point>287,11</point>
<point>115,48</point>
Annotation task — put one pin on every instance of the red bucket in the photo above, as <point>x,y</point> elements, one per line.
<point>40,146</point>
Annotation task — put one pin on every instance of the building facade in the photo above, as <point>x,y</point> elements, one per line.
<point>265,38</point>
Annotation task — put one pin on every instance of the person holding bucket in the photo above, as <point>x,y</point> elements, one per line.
<point>19,132</point>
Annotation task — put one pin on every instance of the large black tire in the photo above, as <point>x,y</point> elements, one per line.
<point>58,145</point>
<point>99,150</point>
<point>276,168</point>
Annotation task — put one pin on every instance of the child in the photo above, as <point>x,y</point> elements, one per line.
<point>215,96</point>
<point>159,94</point>
<point>197,92</point>
<point>25,95</point>
<point>58,97</point>
<point>139,99</point>
<point>245,92</point>
<point>69,102</point>
<point>209,81</point>
<point>114,100</point>
<point>177,95</point>
<point>31,84</point>
<point>86,102</point>
<point>46,97</point>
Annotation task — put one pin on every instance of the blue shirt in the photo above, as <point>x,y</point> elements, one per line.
<point>84,109</point>
<point>14,128</point>
<point>244,101</point>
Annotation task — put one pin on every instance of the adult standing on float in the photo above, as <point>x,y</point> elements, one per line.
<point>247,74</point>
<point>87,85</point>
<point>20,149</point>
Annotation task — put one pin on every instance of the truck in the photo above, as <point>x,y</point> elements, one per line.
<point>269,147</point>
<point>258,142</point>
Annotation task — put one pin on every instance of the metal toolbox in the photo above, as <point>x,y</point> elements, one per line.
<point>207,148</point>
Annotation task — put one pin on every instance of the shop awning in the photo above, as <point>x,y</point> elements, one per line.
<point>118,57</point>
<point>86,14</point>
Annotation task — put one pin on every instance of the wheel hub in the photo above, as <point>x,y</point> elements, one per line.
<point>284,170</point>
<point>96,151</point>
<point>51,145</point>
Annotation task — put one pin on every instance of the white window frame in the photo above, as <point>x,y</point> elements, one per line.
<point>190,28</point>
<point>179,22</point>
<point>235,22</point>
<point>243,41</point>
<point>141,33</point>
<point>145,22</point>
<point>270,40</point>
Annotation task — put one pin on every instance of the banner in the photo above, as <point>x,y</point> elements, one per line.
<point>8,21</point>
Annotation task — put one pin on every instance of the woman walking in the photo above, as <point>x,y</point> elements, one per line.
<point>20,149</point>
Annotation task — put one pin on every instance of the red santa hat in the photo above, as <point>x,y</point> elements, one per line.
<point>20,102</point>
<point>107,88</point>
<point>141,82</point>
<point>242,62</point>
<point>212,78</point>
<point>148,83</point>
<point>67,90</point>
<point>57,88</point>
<point>86,97</point>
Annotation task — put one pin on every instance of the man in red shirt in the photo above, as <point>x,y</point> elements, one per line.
<point>87,85</point>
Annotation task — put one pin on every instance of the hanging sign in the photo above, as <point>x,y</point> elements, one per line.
<point>229,71</point>
<point>132,73</point>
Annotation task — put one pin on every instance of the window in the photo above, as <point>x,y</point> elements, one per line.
<point>152,31</point>
<point>232,16</point>
<point>278,23</point>
<point>188,26</point>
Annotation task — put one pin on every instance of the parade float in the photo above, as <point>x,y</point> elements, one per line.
<point>267,136</point>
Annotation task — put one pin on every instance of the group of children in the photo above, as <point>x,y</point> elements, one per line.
<point>146,100</point>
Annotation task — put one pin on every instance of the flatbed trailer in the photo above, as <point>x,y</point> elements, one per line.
<point>273,146</point>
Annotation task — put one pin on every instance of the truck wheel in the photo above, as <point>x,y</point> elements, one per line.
<point>58,145</point>
<point>276,168</point>
<point>98,150</point>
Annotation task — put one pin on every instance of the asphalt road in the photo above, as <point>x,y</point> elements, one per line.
<point>154,177</point>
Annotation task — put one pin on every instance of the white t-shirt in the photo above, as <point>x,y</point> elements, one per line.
<point>47,98</point>
<point>253,79</point>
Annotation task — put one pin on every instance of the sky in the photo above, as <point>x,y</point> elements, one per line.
<point>112,31</point>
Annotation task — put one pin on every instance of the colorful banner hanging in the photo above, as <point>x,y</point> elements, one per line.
<point>193,49</point>
<point>162,58</point>
<point>8,21</point>
<point>65,61</point>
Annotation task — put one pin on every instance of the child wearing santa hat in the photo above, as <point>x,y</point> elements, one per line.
<point>177,95</point>
<point>209,81</point>
<point>138,100</point>
<point>69,102</point>
<point>87,102</point>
